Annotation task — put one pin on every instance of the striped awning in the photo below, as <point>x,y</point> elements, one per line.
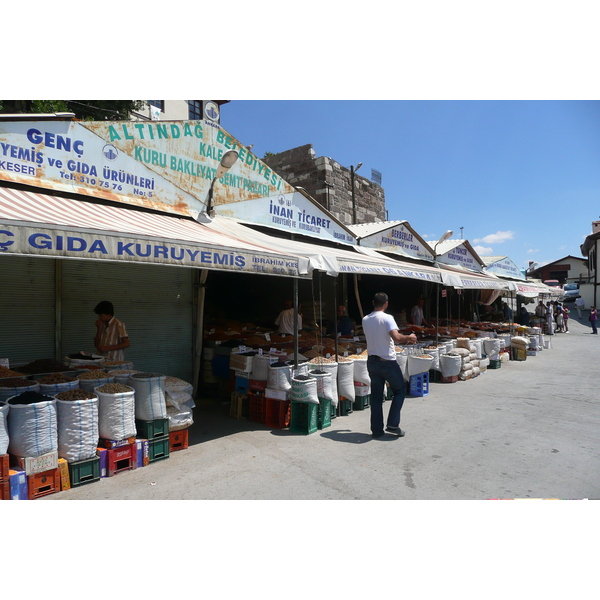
<point>36,224</point>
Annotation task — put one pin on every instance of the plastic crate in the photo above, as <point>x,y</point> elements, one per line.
<point>304,417</point>
<point>419,385</point>
<point>43,484</point>
<point>4,467</point>
<point>256,385</point>
<point>344,407</point>
<point>178,440</point>
<point>240,406</point>
<point>495,364</point>
<point>257,407</point>
<point>277,413</point>
<point>362,402</point>
<point>5,490</point>
<point>518,354</point>
<point>324,413</point>
<point>120,459</point>
<point>151,430</point>
<point>241,385</point>
<point>452,379</point>
<point>158,449</point>
<point>84,471</point>
<point>434,376</point>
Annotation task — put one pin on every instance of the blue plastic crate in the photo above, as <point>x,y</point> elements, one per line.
<point>419,384</point>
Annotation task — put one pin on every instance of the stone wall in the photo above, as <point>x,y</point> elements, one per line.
<point>328,183</point>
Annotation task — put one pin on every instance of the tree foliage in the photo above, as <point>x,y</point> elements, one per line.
<point>87,110</point>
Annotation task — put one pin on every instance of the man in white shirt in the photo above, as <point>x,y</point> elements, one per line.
<point>382,334</point>
<point>285,319</point>
<point>416,314</point>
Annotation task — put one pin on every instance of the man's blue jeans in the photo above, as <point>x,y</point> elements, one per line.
<point>381,371</point>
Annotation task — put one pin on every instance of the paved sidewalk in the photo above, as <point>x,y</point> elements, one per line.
<point>527,430</point>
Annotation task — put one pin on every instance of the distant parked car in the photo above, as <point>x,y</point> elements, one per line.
<point>571,291</point>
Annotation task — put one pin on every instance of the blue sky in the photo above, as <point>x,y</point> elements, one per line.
<point>522,178</point>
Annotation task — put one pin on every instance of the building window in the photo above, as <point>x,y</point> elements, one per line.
<point>195,109</point>
<point>160,104</point>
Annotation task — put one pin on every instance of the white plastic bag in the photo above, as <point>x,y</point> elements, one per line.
<point>116,415</point>
<point>260,367</point>
<point>278,378</point>
<point>179,418</point>
<point>9,392</point>
<point>304,389</point>
<point>77,429</point>
<point>331,368</point>
<point>4,408</point>
<point>32,429</point>
<point>361,373</point>
<point>345,379</point>
<point>418,364</point>
<point>150,401</point>
<point>52,389</point>
<point>324,384</point>
<point>450,364</point>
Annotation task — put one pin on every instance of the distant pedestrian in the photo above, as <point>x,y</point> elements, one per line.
<point>580,305</point>
<point>566,312</point>
<point>550,318</point>
<point>593,318</point>
<point>558,317</point>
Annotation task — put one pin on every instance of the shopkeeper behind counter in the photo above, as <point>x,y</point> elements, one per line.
<point>285,319</point>
<point>111,337</point>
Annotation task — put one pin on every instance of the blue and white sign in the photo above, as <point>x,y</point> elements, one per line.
<point>505,268</point>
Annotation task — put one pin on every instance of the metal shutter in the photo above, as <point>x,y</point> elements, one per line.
<point>27,314</point>
<point>154,302</point>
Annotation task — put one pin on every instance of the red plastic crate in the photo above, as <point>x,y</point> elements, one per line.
<point>257,407</point>
<point>277,413</point>
<point>178,440</point>
<point>4,467</point>
<point>5,490</point>
<point>120,459</point>
<point>43,484</point>
<point>452,379</point>
<point>255,385</point>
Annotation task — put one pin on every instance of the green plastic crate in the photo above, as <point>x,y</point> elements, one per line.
<point>361,402</point>
<point>304,417</point>
<point>495,364</point>
<point>150,430</point>
<point>324,416</point>
<point>344,407</point>
<point>158,449</point>
<point>84,471</point>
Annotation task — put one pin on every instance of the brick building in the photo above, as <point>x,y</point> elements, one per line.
<point>329,183</point>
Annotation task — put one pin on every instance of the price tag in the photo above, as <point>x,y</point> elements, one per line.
<point>328,355</point>
<point>4,362</point>
<point>268,337</point>
<point>242,349</point>
<point>217,342</point>
<point>273,350</point>
<point>356,339</point>
<point>346,353</point>
<point>260,352</point>
<point>211,331</point>
<point>359,351</point>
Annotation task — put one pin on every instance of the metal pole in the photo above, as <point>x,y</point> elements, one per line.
<point>335,327</point>
<point>296,345</point>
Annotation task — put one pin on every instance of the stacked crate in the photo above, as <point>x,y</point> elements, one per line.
<point>117,456</point>
<point>156,433</point>
<point>4,477</point>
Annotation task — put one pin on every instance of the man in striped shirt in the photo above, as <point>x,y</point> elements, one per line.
<point>111,335</point>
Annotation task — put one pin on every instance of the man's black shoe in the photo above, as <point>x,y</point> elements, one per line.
<point>395,431</point>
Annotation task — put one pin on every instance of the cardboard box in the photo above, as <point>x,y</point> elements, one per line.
<point>37,464</point>
<point>18,485</point>
<point>276,394</point>
<point>110,444</point>
<point>65,479</point>
<point>239,362</point>
<point>142,455</point>
<point>103,455</point>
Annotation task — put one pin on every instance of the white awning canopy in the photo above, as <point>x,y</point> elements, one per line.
<point>35,224</point>
<point>333,261</point>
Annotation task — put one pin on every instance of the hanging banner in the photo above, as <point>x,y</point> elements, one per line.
<point>293,213</point>
<point>459,254</point>
<point>504,267</point>
<point>164,165</point>
<point>400,239</point>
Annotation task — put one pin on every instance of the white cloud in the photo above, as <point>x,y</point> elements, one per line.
<point>483,251</point>
<point>532,251</point>
<point>496,238</point>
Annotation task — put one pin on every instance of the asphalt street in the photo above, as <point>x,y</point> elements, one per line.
<point>526,430</point>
